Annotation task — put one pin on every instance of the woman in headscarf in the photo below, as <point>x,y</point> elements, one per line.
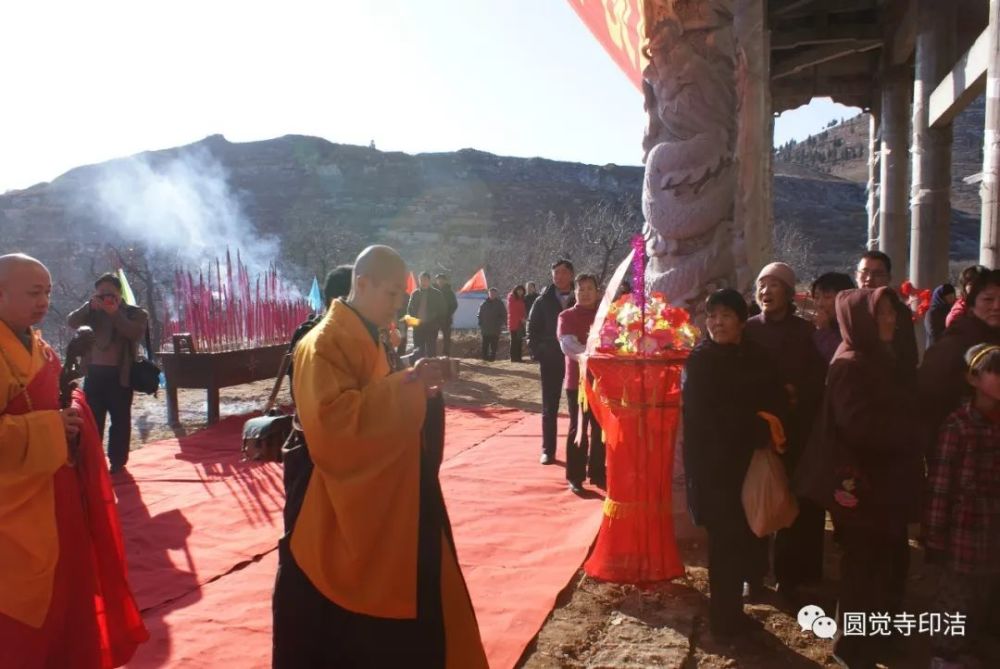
<point>728,381</point>
<point>788,340</point>
<point>941,302</point>
<point>875,467</point>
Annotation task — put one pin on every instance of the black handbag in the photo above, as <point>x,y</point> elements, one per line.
<point>264,436</point>
<point>145,375</point>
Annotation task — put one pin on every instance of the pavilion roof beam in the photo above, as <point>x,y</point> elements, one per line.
<point>792,92</point>
<point>792,65</point>
<point>832,35</point>
<point>902,39</point>
<point>965,82</point>
<point>798,9</point>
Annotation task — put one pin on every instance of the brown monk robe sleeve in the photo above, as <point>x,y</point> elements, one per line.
<point>356,537</point>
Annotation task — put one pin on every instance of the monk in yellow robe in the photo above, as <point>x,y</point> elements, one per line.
<point>64,599</point>
<point>369,576</point>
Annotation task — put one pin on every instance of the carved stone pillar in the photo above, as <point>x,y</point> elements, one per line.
<point>930,194</point>
<point>690,144</point>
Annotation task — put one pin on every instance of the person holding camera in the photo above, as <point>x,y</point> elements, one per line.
<point>118,328</point>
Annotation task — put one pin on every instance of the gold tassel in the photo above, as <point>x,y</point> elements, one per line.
<point>618,510</point>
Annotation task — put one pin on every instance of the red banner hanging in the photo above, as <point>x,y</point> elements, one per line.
<point>619,26</point>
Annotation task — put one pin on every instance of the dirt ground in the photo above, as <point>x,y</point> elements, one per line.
<point>604,625</point>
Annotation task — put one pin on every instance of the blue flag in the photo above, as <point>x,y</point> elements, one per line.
<point>315,297</point>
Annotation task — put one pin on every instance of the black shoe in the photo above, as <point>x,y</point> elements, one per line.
<point>789,593</point>
<point>755,592</point>
<point>575,488</point>
<point>546,459</point>
<point>737,626</point>
<point>599,483</point>
<point>116,468</point>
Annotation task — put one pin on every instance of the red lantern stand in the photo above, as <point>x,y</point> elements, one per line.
<point>637,402</point>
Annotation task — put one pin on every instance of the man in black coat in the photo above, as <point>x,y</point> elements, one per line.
<point>530,295</point>
<point>492,317</point>
<point>543,320</point>
<point>450,307</point>
<point>427,304</point>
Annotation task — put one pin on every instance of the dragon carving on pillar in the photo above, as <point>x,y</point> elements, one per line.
<point>691,98</point>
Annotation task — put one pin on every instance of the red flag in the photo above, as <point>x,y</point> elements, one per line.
<point>411,284</point>
<point>476,283</point>
<point>619,26</point>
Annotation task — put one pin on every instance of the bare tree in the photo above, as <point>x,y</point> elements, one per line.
<point>607,229</point>
<point>316,244</point>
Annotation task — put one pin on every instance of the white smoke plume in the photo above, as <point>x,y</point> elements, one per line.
<point>183,207</point>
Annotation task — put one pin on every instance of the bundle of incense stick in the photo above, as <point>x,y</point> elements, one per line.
<point>222,312</point>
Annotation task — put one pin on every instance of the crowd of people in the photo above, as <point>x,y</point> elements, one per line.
<point>874,437</point>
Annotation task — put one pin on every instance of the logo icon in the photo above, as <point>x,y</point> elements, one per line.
<point>814,619</point>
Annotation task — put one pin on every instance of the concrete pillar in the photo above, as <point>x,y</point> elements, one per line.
<point>754,141</point>
<point>930,195</point>
<point>873,206</point>
<point>894,162</point>
<point>989,190</point>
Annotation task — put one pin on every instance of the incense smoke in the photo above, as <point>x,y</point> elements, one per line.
<point>182,206</point>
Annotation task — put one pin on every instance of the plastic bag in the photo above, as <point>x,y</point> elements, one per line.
<point>767,499</point>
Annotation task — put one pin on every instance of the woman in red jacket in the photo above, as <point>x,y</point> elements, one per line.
<point>517,317</point>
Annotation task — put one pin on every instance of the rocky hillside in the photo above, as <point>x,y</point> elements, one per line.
<point>308,204</point>
<point>842,150</point>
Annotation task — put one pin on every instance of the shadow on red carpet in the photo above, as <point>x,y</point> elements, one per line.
<point>200,531</point>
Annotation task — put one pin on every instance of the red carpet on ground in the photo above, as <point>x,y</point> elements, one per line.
<point>200,531</point>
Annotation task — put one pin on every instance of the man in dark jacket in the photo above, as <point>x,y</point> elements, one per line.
<point>875,271</point>
<point>450,307</point>
<point>530,295</point>
<point>543,321</point>
<point>492,315</point>
<point>428,306</point>
<point>119,328</point>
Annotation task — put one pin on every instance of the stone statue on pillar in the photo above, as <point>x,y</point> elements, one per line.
<point>690,145</point>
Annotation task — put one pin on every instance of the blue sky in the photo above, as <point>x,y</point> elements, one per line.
<point>86,82</point>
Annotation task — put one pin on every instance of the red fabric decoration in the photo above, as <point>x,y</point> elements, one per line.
<point>922,297</point>
<point>411,284</point>
<point>637,402</point>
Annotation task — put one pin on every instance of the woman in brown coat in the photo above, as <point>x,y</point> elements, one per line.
<point>873,462</point>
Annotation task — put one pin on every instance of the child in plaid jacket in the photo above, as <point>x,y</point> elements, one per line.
<point>962,522</point>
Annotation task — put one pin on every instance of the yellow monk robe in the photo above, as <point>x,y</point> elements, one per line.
<point>356,537</point>
<point>32,448</point>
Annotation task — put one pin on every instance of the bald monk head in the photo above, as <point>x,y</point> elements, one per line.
<point>378,284</point>
<point>25,286</point>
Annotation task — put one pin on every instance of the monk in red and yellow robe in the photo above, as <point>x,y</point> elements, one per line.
<point>64,598</point>
<point>368,574</point>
